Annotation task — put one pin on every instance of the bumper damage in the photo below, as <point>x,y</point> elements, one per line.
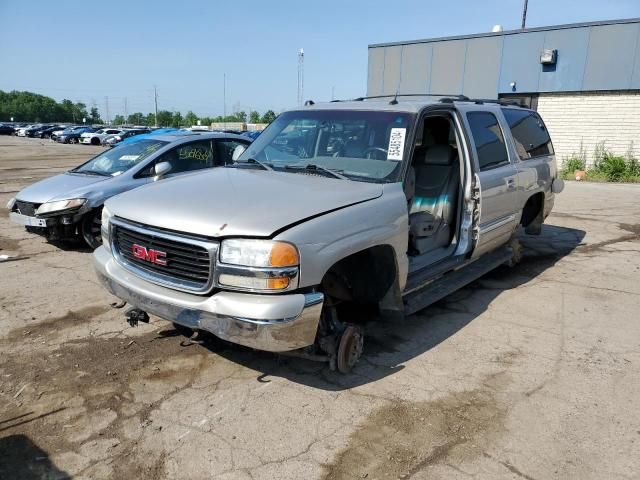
<point>275,323</point>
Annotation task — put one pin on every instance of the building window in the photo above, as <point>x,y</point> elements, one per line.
<point>489,141</point>
<point>529,133</point>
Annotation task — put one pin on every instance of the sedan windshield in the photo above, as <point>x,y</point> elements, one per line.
<point>120,159</point>
<point>357,144</point>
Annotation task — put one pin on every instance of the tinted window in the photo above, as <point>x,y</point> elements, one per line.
<point>529,133</point>
<point>189,157</point>
<point>226,148</point>
<point>120,159</point>
<point>490,147</point>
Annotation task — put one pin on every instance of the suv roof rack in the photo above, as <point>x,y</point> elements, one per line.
<point>499,101</point>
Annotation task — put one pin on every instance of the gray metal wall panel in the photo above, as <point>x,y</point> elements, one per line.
<point>416,68</point>
<point>482,67</point>
<point>448,67</point>
<point>572,56</point>
<point>610,57</point>
<point>635,77</point>
<point>376,68</point>
<point>521,62</point>
<point>391,76</point>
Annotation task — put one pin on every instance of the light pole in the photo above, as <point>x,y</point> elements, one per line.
<point>524,14</point>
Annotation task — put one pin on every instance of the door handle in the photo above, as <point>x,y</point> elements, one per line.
<point>511,183</point>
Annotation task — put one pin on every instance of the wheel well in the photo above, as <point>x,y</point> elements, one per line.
<point>362,278</point>
<point>532,209</point>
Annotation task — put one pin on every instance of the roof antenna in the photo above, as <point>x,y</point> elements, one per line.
<point>395,99</point>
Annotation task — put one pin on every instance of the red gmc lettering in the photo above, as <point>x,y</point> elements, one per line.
<point>148,254</point>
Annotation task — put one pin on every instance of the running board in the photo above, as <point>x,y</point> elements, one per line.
<point>454,280</point>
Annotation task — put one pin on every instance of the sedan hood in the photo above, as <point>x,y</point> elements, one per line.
<point>238,202</point>
<point>60,187</point>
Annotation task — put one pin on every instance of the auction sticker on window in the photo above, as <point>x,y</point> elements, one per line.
<point>129,158</point>
<point>396,144</point>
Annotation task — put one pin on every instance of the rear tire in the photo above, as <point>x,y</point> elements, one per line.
<point>73,140</point>
<point>95,141</point>
<point>90,228</point>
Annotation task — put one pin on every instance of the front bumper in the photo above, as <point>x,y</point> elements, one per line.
<point>27,221</point>
<point>275,323</point>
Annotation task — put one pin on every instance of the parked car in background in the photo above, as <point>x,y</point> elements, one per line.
<point>6,129</point>
<point>113,140</point>
<point>22,131</point>
<point>252,134</point>
<point>46,132</point>
<point>69,206</point>
<point>73,135</point>
<point>336,213</point>
<point>35,131</point>
<point>96,137</point>
<point>153,133</point>
<point>62,129</point>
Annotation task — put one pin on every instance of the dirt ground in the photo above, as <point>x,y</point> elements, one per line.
<point>529,373</point>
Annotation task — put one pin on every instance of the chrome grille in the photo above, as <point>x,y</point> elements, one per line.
<point>189,261</point>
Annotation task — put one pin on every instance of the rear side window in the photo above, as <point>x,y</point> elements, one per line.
<point>529,133</point>
<point>487,136</point>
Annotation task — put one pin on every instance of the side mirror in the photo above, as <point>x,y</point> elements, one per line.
<point>239,150</point>
<point>160,170</point>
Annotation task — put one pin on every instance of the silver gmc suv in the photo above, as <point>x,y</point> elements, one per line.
<point>337,214</point>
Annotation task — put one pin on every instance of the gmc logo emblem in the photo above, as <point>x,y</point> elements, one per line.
<point>149,254</point>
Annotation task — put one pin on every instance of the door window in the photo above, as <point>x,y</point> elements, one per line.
<point>487,136</point>
<point>529,133</point>
<point>189,157</point>
<point>225,150</point>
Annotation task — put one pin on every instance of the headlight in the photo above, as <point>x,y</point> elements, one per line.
<point>259,253</point>
<point>60,205</point>
<point>11,203</point>
<point>262,265</point>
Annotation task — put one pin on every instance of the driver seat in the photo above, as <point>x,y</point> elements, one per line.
<point>432,211</point>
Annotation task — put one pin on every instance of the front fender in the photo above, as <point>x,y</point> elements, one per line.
<point>325,240</point>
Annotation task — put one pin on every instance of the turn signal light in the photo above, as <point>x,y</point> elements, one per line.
<point>283,255</point>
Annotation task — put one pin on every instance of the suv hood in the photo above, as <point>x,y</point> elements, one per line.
<point>59,187</point>
<point>238,202</point>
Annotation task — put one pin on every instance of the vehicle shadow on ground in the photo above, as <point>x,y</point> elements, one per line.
<point>21,458</point>
<point>390,344</point>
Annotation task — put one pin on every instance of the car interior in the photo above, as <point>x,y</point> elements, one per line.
<point>432,187</point>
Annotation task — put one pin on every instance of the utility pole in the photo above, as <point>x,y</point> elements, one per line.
<point>155,100</point>
<point>524,14</point>
<point>300,76</point>
<point>333,91</point>
<point>126,114</point>
<point>224,98</point>
<point>106,102</point>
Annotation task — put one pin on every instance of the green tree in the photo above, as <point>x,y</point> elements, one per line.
<point>94,116</point>
<point>254,117</point>
<point>118,120</point>
<point>240,116</point>
<point>269,116</point>
<point>136,119</point>
<point>165,118</point>
<point>191,119</point>
<point>150,120</point>
<point>177,120</point>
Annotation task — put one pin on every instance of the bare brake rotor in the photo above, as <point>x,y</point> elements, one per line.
<point>350,348</point>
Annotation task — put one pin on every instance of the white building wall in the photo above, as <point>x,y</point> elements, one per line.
<point>592,117</point>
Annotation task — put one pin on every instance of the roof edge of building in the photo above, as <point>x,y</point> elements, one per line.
<point>509,32</point>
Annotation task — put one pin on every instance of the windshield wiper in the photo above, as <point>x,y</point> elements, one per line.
<point>312,167</point>
<point>253,161</point>
<point>92,172</point>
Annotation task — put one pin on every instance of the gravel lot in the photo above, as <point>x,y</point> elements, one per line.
<point>531,372</point>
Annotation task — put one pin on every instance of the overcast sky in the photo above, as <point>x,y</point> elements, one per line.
<point>86,51</point>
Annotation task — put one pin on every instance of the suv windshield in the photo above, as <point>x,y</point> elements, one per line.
<point>358,144</point>
<point>120,159</point>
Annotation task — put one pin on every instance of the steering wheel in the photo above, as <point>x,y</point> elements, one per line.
<point>370,150</point>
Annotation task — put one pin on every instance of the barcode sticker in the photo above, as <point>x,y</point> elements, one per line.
<point>129,158</point>
<point>396,144</point>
